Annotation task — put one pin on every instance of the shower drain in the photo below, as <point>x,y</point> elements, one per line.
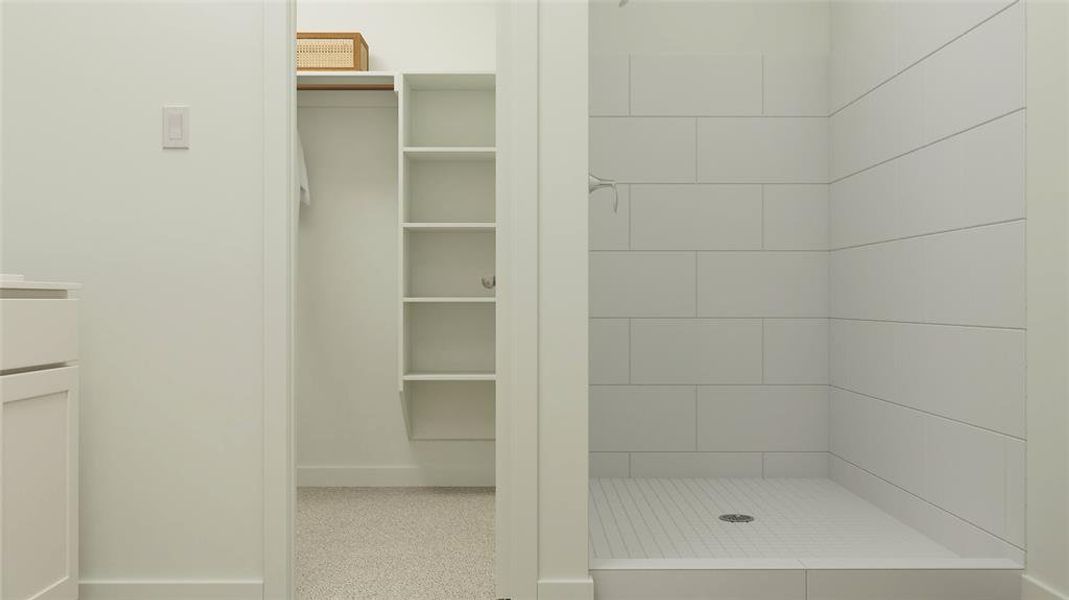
<point>736,518</point>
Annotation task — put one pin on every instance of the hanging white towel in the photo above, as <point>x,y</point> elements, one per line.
<point>305,194</point>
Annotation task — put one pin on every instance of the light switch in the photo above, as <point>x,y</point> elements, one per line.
<point>176,127</point>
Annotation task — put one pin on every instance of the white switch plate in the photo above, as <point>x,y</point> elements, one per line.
<point>176,126</point>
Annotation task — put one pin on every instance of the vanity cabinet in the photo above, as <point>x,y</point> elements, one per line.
<point>38,441</point>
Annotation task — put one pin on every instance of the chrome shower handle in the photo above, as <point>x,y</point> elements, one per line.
<point>595,183</point>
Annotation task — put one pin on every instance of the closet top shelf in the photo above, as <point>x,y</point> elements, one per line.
<point>345,80</point>
<point>388,80</point>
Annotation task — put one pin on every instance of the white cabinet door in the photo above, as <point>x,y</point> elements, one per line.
<point>39,485</point>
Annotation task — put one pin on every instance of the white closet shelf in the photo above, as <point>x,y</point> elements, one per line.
<point>341,80</point>
<point>450,226</point>
<point>450,300</point>
<point>450,377</point>
<point>451,80</point>
<point>450,152</point>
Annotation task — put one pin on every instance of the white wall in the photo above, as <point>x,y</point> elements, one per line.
<point>708,289</point>
<point>928,266</point>
<point>412,35</point>
<point>1047,575</point>
<point>168,245</point>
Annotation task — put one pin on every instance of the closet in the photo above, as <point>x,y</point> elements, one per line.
<point>395,333</point>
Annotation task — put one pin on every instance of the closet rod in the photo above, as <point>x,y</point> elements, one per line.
<point>387,87</point>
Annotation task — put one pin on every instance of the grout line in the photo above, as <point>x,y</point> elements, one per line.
<point>709,451</point>
<point>696,449</point>
<point>763,84</point>
<point>696,304</point>
<point>762,351</point>
<point>629,86</point>
<point>929,413</point>
<point>706,251</point>
<point>710,116</point>
<point>922,499</point>
<point>929,234</point>
<point>629,352</point>
<point>695,150</point>
<point>927,145</point>
<point>630,220</point>
<point>712,385</point>
<point>892,321</point>
<point>921,59</point>
<point>764,219</point>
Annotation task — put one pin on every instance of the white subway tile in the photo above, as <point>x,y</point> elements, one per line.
<point>862,48</point>
<point>886,123</point>
<point>848,427</point>
<point>796,464</point>
<point>796,84</point>
<point>695,351</point>
<point>696,464</point>
<point>763,284</point>
<point>763,418</point>
<point>867,207</point>
<point>796,217</point>
<point>624,418</point>
<point>944,94</point>
<point>609,464</point>
<point>973,277</point>
<point>760,150</point>
<point>1016,491</point>
<point>959,92</point>
<point>976,276</point>
<point>609,351</point>
<point>883,282</point>
<point>967,472</point>
<point>971,179</point>
<point>949,530</point>
<point>923,27</point>
<point>698,217</point>
<point>896,439</point>
<point>608,85</point>
<point>641,284</point>
<point>696,84</point>
<point>637,150</point>
<point>975,375</point>
<point>796,351</point>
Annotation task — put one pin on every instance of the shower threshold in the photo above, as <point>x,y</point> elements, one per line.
<point>809,539</point>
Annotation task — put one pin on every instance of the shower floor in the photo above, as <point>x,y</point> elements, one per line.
<point>793,519</point>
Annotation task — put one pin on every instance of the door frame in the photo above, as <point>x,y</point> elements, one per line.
<point>541,447</point>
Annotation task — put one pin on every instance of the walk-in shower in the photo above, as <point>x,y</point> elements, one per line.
<point>807,327</point>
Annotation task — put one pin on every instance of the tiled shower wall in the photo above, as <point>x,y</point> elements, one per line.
<point>928,266</point>
<point>709,286</point>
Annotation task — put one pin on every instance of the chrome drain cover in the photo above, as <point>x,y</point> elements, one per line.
<point>736,518</point>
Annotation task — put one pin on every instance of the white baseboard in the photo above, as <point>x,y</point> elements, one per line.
<point>1033,589</point>
<point>391,476</point>
<point>566,589</point>
<point>170,590</point>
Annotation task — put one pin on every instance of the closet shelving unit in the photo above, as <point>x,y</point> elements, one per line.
<point>446,237</point>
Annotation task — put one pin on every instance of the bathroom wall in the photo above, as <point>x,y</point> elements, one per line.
<point>928,266</point>
<point>406,35</point>
<point>709,286</point>
<point>168,245</point>
<point>348,417</point>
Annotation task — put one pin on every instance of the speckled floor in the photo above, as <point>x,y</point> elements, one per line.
<point>395,543</point>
